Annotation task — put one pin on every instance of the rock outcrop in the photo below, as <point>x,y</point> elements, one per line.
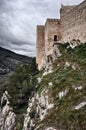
<point>7,116</point>
<point>58,101</point>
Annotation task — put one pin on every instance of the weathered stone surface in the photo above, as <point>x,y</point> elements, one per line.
<point>39,106</point>
<point>73,22</point>
<point>7,116</point>
<point>71,27</point>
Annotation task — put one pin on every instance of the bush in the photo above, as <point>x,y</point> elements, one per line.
<point>20,87</point>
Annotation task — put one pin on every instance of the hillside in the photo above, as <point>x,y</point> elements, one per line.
<point>9,61</point>
<point>53,99</point>
<point>65,87</point>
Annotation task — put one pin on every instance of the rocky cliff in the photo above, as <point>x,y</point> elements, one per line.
<point>55,97</point>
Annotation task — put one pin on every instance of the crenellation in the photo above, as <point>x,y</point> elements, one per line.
<point>71,25</point>
<point>40,26</point>
<point>49,20</point>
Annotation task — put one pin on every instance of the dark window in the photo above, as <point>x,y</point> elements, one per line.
<point>55,37</point>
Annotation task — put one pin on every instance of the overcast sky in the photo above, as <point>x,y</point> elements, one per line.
<point>18,20</point>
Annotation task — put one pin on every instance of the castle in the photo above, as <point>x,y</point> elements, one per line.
<point>71,25</point>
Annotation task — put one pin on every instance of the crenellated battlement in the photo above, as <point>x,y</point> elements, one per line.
<point>52,20</point>
<point>49,20</point>
<point>71,25</point>
<point>40,26</point>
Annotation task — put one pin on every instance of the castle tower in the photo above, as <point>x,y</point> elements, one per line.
<point>70,26</point>
<point>52,34</point>
<point>40,45</point>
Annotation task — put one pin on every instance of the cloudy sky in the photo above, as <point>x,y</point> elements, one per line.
<point>18,20</point>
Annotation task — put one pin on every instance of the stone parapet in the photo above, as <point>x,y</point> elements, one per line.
<point>70,26</point>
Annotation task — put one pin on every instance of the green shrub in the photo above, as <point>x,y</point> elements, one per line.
<point>20,87</point>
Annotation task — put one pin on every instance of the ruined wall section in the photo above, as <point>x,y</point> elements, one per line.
<point>40,45</point>
<point>66,9</point>
<point>52,28</point>
<point>73,23</point>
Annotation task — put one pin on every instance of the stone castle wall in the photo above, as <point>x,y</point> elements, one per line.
<point>65,9</point>
<point>52,28</point>
<point>40,44</point>
<point>73,23</point>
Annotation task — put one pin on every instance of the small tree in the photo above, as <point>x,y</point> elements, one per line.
<point>20,87</point>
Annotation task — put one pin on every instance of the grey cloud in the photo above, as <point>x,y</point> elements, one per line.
<point>18,20</point>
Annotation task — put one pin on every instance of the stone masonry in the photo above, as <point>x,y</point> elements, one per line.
<point>70,26</point>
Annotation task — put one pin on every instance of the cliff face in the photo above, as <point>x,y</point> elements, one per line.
<point>58,98</point>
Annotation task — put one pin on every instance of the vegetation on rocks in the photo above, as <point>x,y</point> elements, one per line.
<point>70,75</point>
<point>21,85</point>
<point>64,88</point>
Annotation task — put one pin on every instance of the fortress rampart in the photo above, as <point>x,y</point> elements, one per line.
<point>65,9</point>
<point>40,44</point>
<point>71,25</point>
<point>52,28</point>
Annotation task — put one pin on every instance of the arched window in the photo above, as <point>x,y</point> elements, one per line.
<point>55,38</point>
